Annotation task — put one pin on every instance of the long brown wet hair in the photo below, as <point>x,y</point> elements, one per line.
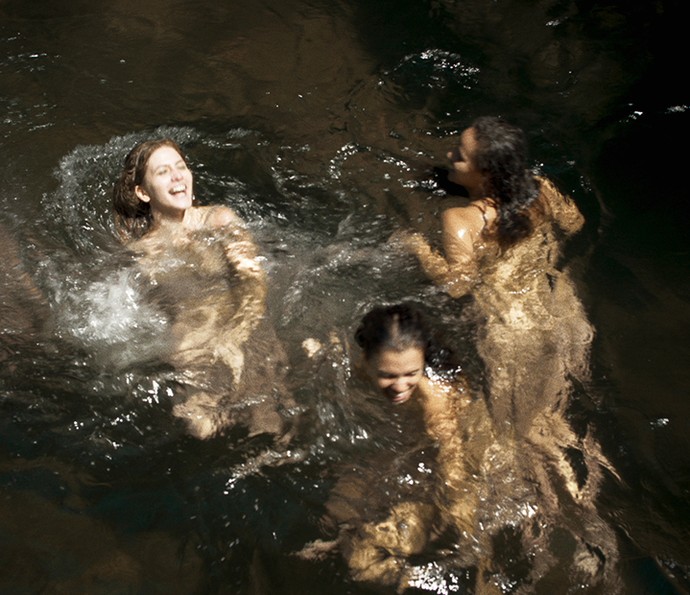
<point>133,216</point>
<point>502,157</point>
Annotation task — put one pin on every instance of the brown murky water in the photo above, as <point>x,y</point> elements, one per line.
<point>320,122</point>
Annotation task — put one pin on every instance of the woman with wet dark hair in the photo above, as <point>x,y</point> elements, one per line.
<point>500,154</point>
<point>202,267</point>
<point>506,204</point>
<point>398,361</point>
<point>392,327</point>
<point>394,341</point>
<point>504,246</point>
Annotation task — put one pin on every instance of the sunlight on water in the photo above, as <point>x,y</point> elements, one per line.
<point>321,285</point>
<point>324,127</point>
<point>111,314</point>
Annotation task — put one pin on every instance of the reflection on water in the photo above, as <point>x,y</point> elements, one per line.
<point>374,471</point>
<point>317,123</point>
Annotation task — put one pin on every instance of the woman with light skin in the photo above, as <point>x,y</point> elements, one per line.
<point>204,269</point>
<point>154,198</point>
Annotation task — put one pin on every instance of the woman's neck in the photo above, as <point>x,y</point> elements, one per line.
<point>478,191</point>
<point>165,222</point>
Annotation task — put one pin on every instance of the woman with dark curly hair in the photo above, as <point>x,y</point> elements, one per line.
<point>506,204</point>
<point>504,246</point>
<point>490,162</point>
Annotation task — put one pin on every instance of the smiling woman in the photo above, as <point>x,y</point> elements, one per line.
<point>167,185</point>
<point>398,373</point>
<point>156,191</point>
<point>383,539</point>
<point>394,341</point>
<point>203,269</point>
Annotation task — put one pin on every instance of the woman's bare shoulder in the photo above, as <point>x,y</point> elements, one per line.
<point>215,216</point>
<point>442,393</point>
<point>472,218</point>
<point>463,215</point>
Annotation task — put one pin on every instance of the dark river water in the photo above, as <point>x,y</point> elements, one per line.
<point>319,121</point>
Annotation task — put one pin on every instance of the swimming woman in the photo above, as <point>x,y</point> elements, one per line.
<point>504,246</point>
<point>203,269</point>
<point>385,521</point>
<point>486,489</point>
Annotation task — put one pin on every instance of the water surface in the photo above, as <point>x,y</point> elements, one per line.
<point>318,122</point>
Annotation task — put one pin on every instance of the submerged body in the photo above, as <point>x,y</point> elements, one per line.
<point>423,480</point>
<point>202,269</point>
<point>213,294</point>
<point>534,337</point>
<point>425,495</point>
<point>504,248</point>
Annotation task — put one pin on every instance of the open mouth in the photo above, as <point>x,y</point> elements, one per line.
<point>397,398</point>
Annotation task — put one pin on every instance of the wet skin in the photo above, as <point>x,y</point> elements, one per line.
<point>167,185</point>
<point>397,373</point>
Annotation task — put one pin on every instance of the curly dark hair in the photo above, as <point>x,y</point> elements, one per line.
<point>502,157</point>
<point>396,327</point>
<point>133,216</point>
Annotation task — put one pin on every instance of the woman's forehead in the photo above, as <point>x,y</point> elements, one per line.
<point>409,357</point>
<point>164,155</point>
<point>468,139</point>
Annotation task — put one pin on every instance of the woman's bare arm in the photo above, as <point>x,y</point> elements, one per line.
<point>243,256</point>
<point>448,414</point>
<point>442,401</point>
<point>455,269</point>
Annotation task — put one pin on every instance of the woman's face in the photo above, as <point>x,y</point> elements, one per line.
<point>167,184</point>
<point>397,373</point>
<point>463,170</point>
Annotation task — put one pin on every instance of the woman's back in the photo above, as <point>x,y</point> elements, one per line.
<point>535,334</point>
